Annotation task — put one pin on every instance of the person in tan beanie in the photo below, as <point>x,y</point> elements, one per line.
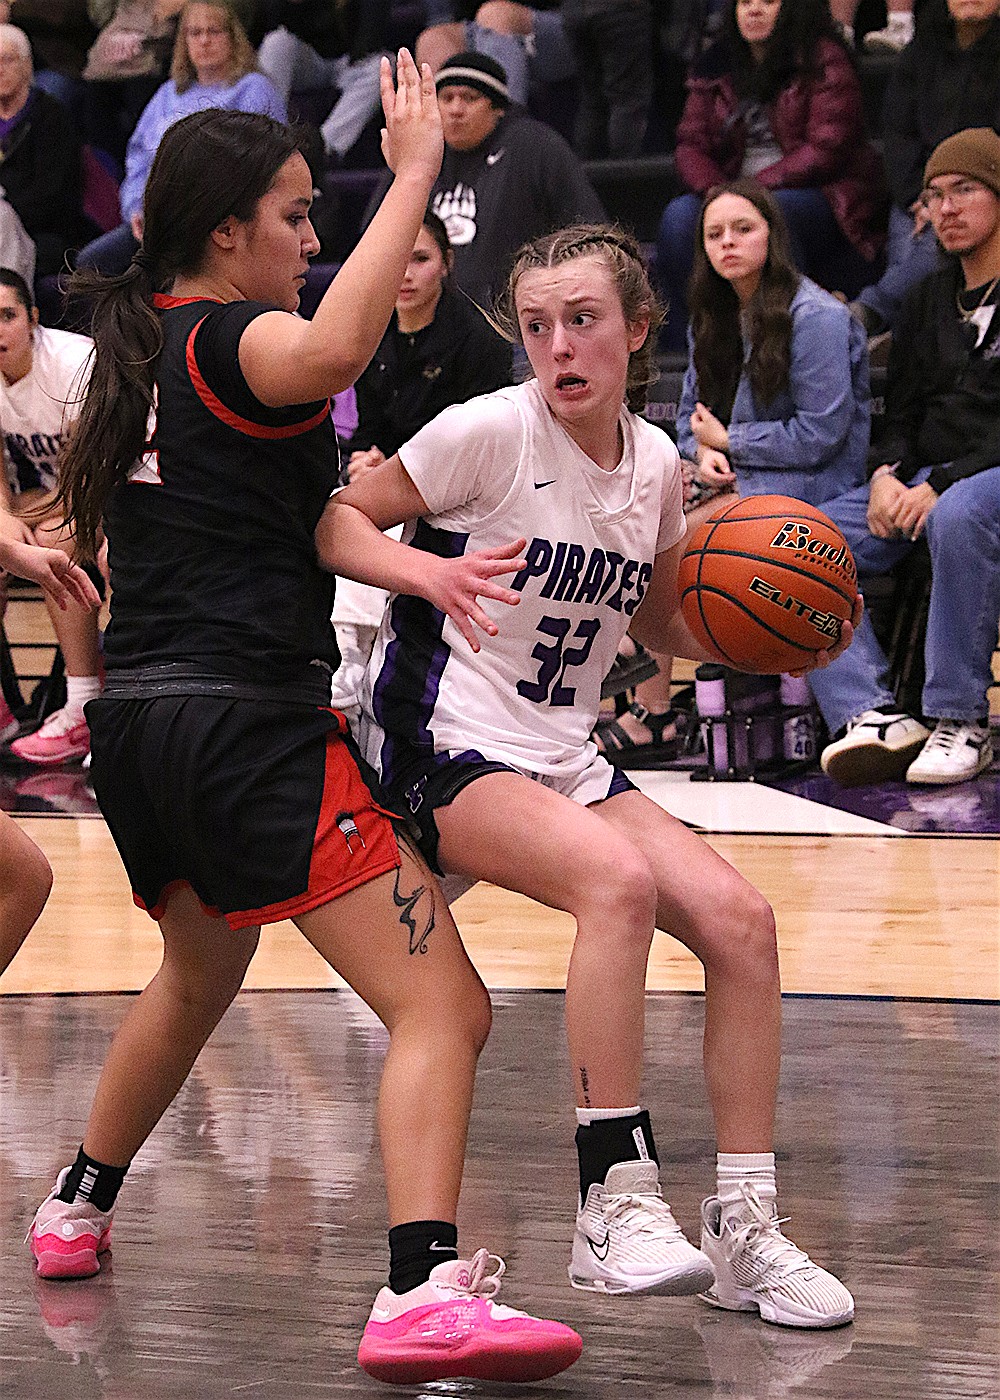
<point>935,474</point>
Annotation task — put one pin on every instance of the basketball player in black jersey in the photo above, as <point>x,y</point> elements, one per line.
<point>205,444</point>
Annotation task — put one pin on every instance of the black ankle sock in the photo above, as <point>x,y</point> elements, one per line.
<point>600,1145</point>
<point>415,1248</point>
<point>92,1181</point>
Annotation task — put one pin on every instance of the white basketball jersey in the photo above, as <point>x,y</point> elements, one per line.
<point>493,470</point>
<point>37,411</point>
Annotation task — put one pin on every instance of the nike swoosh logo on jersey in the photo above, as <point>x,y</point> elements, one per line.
<point>598,1248</point>
<point>494,156</point>
<point>539,484</point>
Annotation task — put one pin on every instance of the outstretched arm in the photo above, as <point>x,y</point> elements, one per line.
<point>350,542</point>
<point>288,360</point>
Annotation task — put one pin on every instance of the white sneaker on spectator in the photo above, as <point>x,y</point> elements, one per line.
<point>894,37</point>
<point>758,1270</point>
<point>879,745</point>
<point>955,752</point>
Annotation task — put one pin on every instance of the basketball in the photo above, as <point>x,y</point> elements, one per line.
<point>766,583</point>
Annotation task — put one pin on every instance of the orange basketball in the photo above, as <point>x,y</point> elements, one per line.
<point>766,582</point>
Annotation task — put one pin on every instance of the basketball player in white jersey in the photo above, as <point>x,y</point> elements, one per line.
<point>485,743</point>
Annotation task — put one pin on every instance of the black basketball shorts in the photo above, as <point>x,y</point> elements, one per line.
<point>259,807</point>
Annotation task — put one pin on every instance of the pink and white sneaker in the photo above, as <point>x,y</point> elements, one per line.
<point>67,1239</point>
<point>65,735</point>
<point>450,1326</point>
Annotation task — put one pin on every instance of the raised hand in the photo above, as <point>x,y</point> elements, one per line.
<point>456,585</point>
<point>412,142</point>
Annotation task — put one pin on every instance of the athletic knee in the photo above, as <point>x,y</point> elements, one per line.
<point>739,932</point>
<point>619,898</point>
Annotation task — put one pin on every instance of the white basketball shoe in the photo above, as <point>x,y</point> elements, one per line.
<point>758,1270</point>
<point>627,1240</point>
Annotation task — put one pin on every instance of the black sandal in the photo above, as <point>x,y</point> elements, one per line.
<point>628,671</point>
<point>619,748</point>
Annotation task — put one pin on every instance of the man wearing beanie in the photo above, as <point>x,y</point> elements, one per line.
<point>935,476</point>
<point>505,178</point>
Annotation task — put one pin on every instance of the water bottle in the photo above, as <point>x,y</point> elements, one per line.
<point>798,731</point>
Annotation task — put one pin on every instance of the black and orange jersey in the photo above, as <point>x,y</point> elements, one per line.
<point>210,540</point>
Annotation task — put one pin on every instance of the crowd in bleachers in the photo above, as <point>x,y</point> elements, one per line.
<point>639,109</point>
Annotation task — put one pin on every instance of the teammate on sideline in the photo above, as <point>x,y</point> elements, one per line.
<point>490,752</point>
<point>223,773</point>
<point>43,375</point>
<point>25,877</point>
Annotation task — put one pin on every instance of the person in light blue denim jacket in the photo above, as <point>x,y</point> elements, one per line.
<point>776,397</point>
<point>776,400</point>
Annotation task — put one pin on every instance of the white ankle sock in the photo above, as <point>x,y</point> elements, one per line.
<point>80,689</point>
<point>586,1116</point>
<point>755,1168</point>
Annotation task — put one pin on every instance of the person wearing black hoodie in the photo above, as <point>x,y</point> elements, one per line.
<point>947,80</point>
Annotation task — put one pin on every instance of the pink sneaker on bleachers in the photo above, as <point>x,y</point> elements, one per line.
<point>450,1326</point>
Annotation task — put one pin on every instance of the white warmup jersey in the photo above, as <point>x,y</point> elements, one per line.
<point>36,411</point>
<point>491,471</point>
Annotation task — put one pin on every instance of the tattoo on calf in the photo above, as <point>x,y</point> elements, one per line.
<point>410,914</point>
<point>585,1086</point>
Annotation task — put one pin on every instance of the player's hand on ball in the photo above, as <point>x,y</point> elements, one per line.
<point>847,630</point>
<point>456,585</point>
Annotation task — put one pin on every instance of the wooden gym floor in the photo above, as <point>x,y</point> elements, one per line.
<point>249,1241</point>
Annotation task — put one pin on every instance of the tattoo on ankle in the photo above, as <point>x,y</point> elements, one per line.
<point>585,1086</point>
<point>410,914</point>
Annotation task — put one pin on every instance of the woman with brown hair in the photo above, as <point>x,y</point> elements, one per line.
<point>488,752</point>
<point>778,98</point>
<point>213,66</point>
<point>205,447</point>
<point>775,398</point>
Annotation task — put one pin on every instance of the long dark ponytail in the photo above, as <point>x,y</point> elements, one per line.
<point>210,166</point>
<point>718,325</point>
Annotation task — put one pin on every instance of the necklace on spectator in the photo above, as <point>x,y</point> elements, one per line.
<point>967,316</point>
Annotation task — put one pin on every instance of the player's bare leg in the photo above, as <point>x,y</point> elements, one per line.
<point>395,942</point>
<point>25,882</point>
<point>504,828</point>
<point>729,926</point>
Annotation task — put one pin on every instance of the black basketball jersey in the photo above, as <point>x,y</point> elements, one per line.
<point>210,540</point>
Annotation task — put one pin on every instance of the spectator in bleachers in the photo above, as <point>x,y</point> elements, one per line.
<point>353,40</point>
<point>60,32</point>
<point>506,177</point>
<point>213,66</point>
<point>40,167</point>
<point>528,41</point>
<point>895,36</point>
<point>126,64</point>
<point>776,396</point>
<point>778,98</point>
<point>43,377</point>
<point>947,80</point>
<point>936,476</point>
<point>612,42</point>
<point>438,350</point>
